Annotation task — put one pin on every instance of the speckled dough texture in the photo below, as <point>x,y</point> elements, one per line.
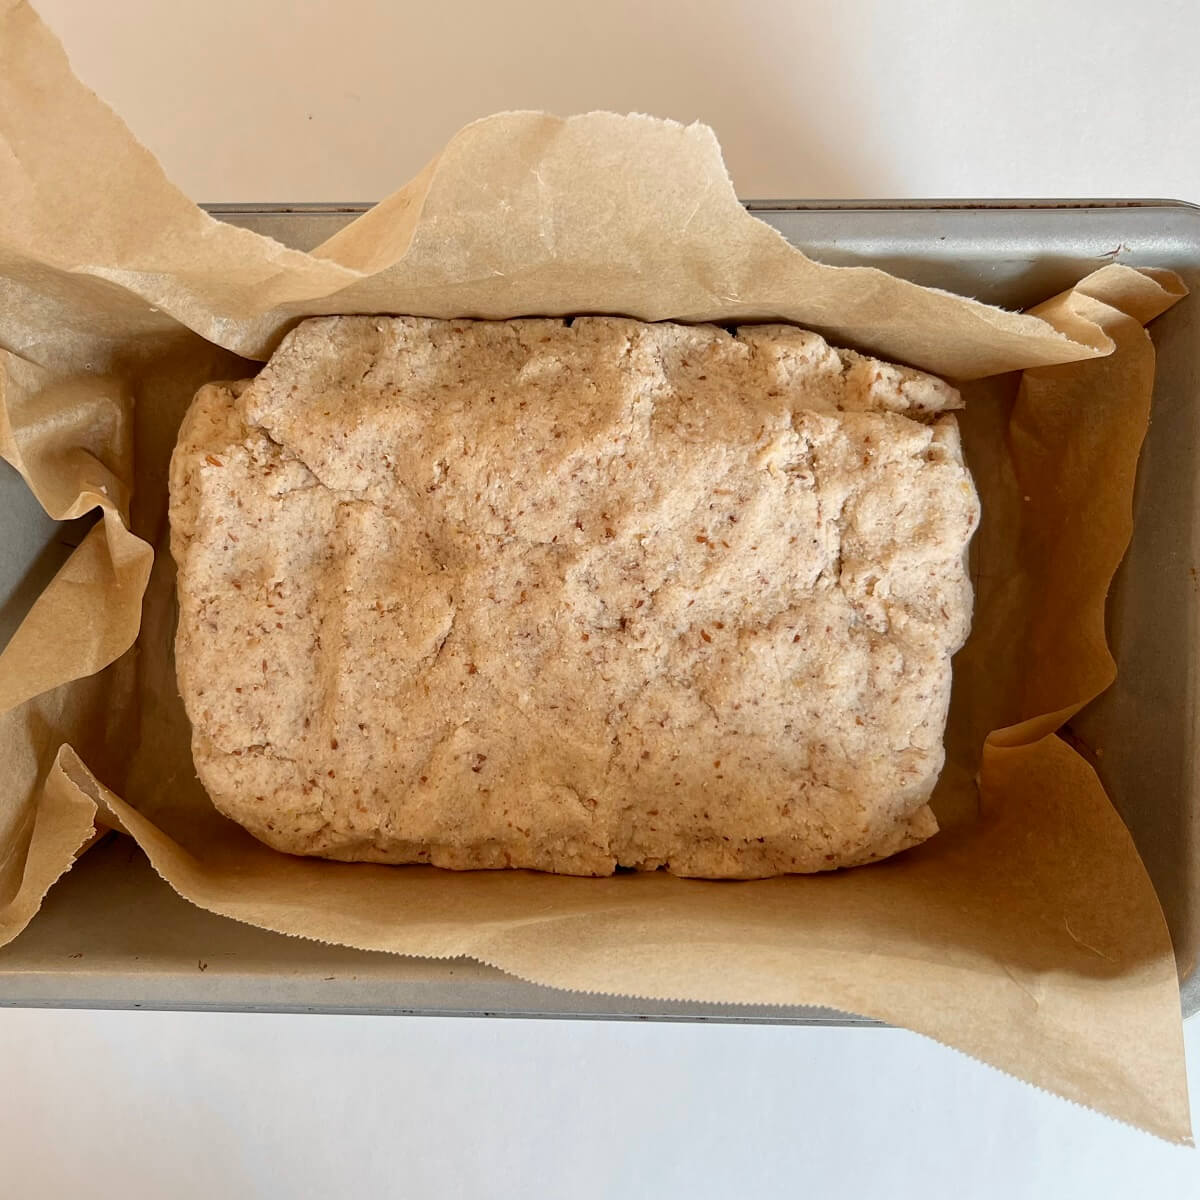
<point>572,595</point>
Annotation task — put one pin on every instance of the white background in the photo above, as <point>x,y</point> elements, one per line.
<point>247,100</point>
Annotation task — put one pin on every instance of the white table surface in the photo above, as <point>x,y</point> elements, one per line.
<point>244,101</point>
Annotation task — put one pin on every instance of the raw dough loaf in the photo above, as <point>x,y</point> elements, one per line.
<point>572,595</point>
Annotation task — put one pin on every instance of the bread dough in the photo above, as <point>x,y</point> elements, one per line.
<point>572,595</point>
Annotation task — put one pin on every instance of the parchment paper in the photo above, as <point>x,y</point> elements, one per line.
<point>1026,934</point>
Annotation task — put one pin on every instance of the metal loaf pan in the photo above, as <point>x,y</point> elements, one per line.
<point>111,934</point>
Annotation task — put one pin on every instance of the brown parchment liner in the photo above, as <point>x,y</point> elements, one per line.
<point>1026,934</point>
